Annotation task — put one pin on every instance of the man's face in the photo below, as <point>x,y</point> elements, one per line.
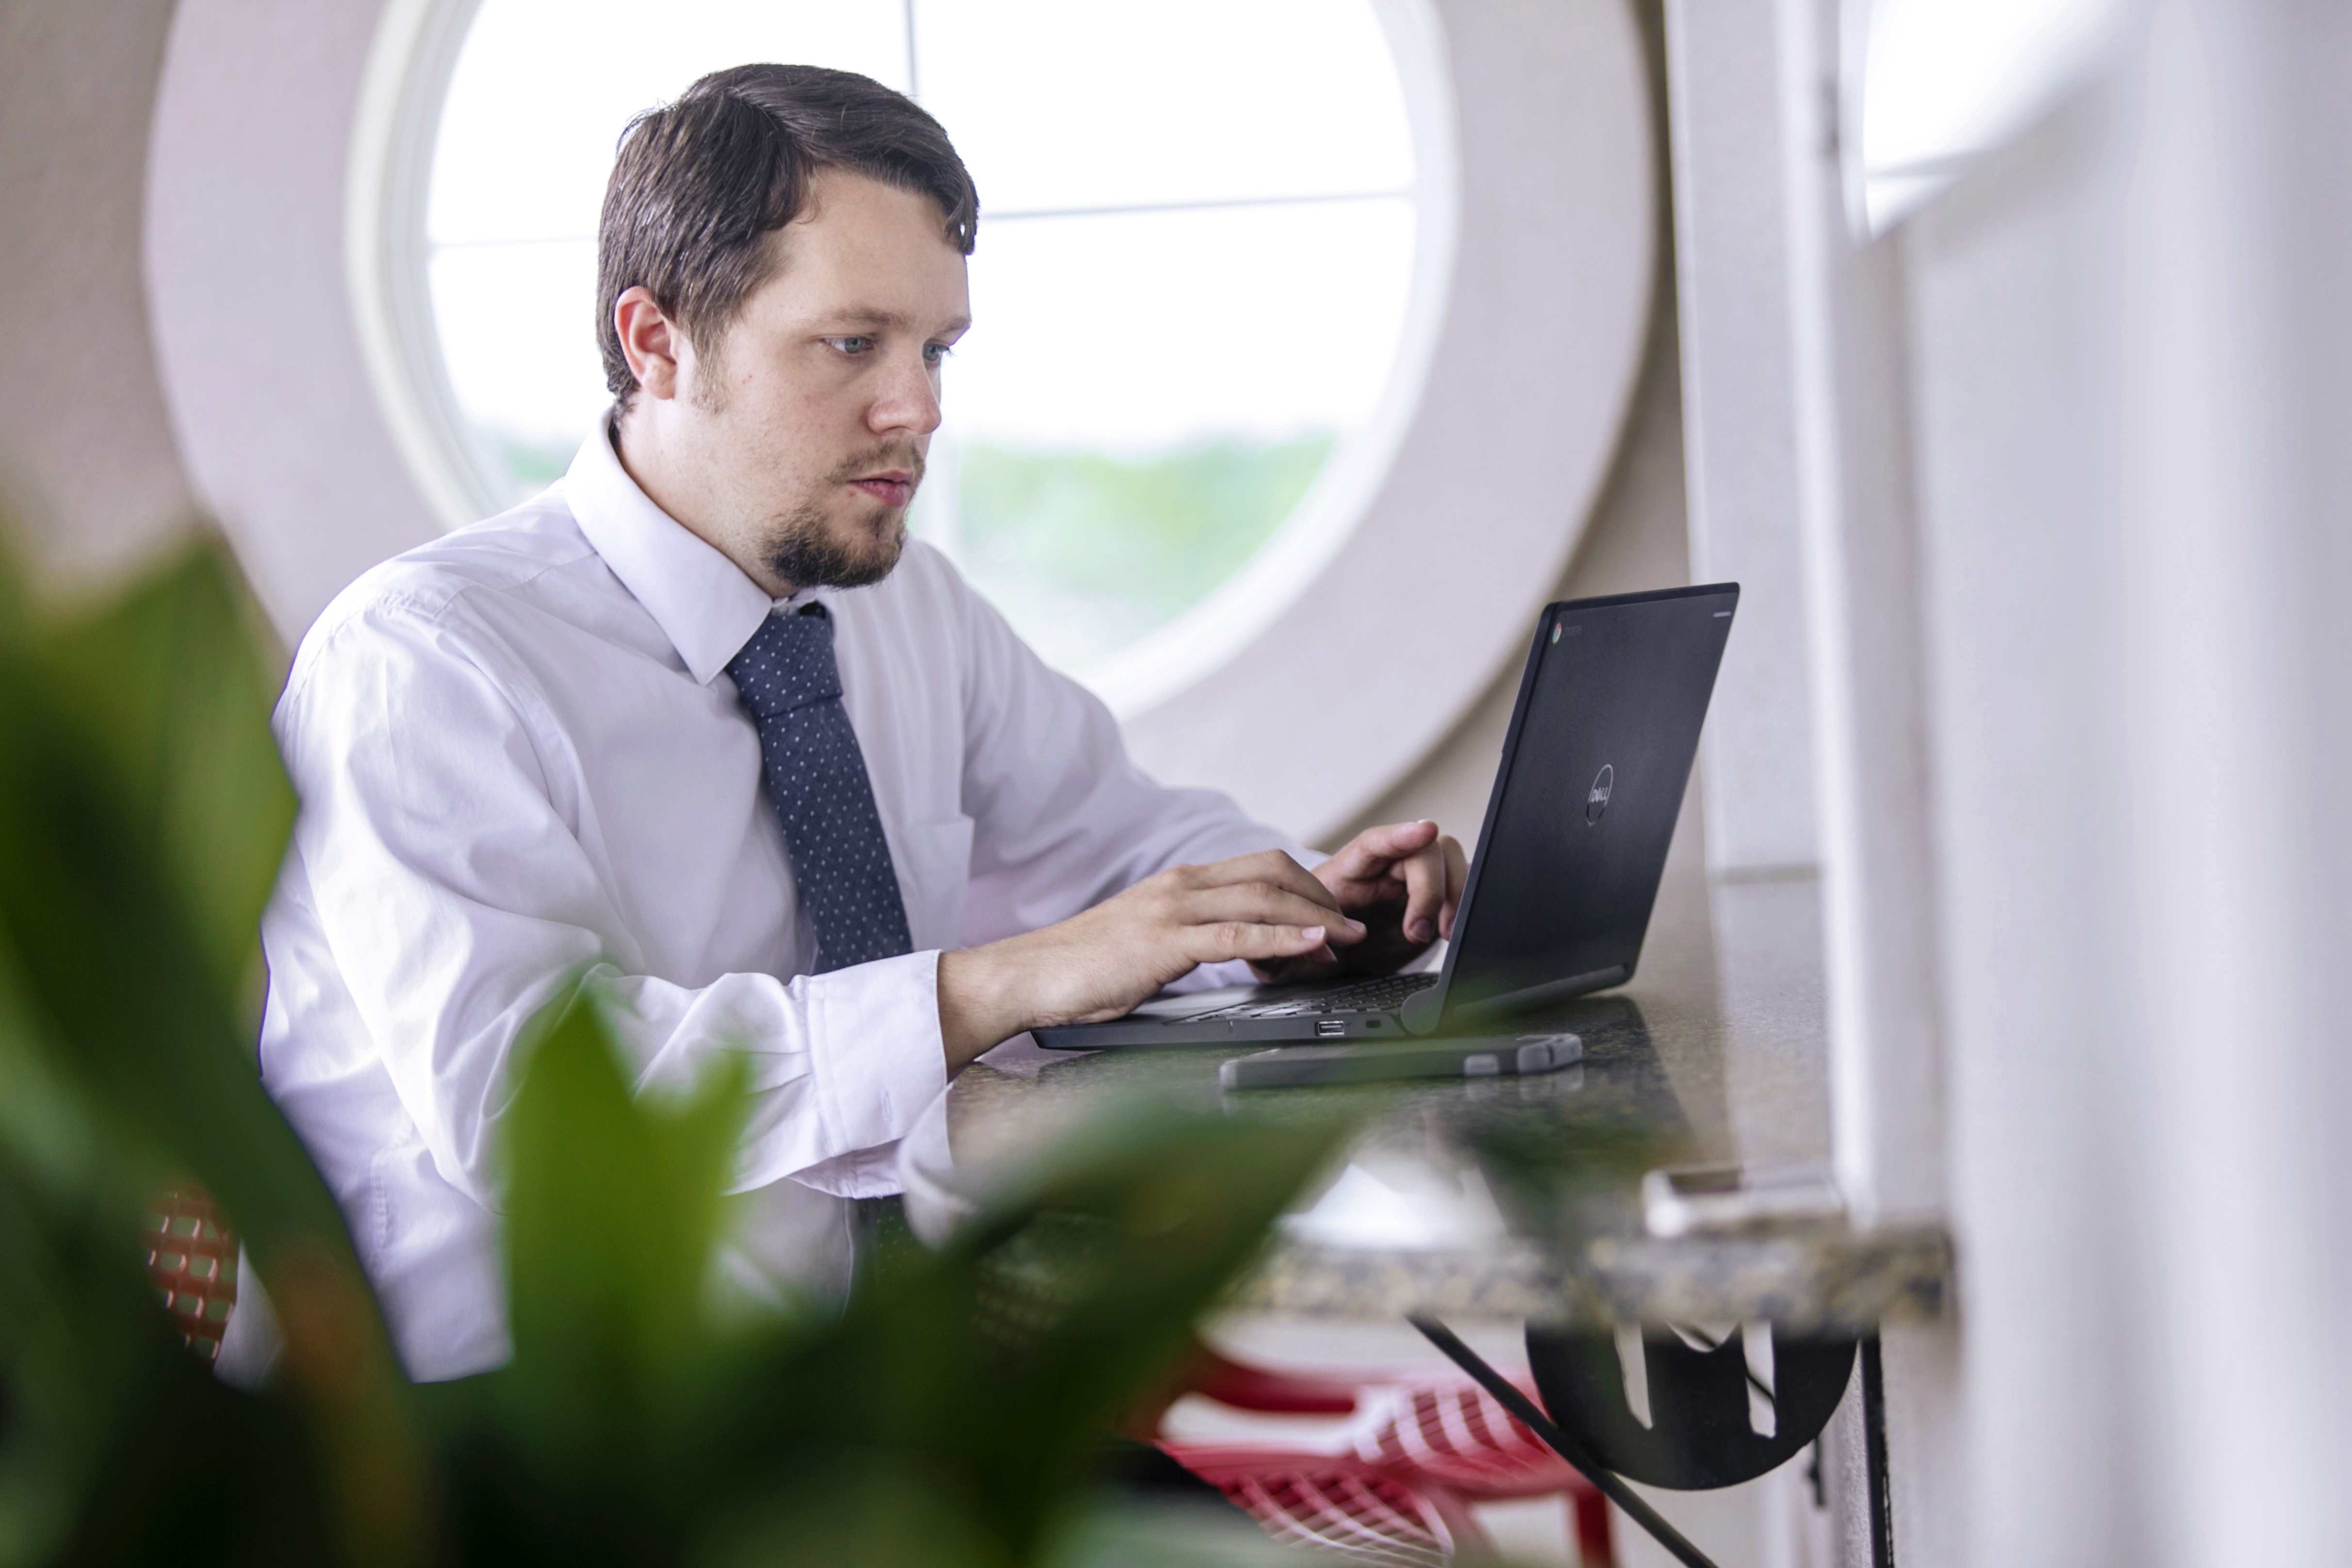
<point>807,426</point>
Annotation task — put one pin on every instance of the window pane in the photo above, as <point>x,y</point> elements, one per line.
<point>1144,398</point>
<point>519,334</point>
<point>1057,103</point>
<point>1087,551</point>
<point>1145,330</point>
<point>544,87</point>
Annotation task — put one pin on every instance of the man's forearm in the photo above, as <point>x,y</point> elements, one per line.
<point>979,1002</point>
<point>1098,965</point>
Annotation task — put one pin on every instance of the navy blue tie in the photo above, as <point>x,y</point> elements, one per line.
<point>817,780</point>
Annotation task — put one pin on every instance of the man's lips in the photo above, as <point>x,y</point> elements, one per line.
<point>896,488</point>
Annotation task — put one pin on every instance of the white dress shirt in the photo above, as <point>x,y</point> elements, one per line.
<point>520,756</point>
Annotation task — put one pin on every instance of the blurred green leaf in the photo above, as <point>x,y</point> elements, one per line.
<point>117,1441</point>
<point>143,812</point>
<point>112,963</point>
<point>848,1506</point>
<point>1003,1361</point>
<point>611,1205</point>
<point>63,1334</point>
<point>42,1121</point>
<point>955,1411</point>
<point>1179,1535</point>
<point>171,684</point>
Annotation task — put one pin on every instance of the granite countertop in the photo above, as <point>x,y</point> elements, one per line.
<point>1519,1198</point>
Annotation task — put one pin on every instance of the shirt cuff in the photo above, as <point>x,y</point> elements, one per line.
<point>877,1057</point>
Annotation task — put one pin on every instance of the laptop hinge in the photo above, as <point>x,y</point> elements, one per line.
<point>1536,996</point>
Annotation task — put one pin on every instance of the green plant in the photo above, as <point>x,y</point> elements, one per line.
<point>949,1414</point>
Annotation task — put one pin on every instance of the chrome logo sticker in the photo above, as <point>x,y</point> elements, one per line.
<point>1596,800</point>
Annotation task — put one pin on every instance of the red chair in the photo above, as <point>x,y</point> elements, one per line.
<point>192,1264</point>
<point>1336,1503</point>
<point>1398,1485</point>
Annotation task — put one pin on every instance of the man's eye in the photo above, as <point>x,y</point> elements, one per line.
<point>936,354</point>
<point>850,345</point>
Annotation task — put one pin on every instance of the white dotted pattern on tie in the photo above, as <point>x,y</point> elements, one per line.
<point>817,782</point>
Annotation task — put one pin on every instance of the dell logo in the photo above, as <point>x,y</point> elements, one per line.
<point>1596,800</point>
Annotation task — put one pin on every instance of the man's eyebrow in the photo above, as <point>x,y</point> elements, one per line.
<point>892,319</point>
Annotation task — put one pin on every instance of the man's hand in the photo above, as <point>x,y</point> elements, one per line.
<point>1264,907</point>
<point>1402,882</point>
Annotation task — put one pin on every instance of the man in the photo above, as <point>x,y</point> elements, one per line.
<point>701,721</point>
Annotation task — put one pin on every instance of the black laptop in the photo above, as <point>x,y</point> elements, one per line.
<point>1558,895</point>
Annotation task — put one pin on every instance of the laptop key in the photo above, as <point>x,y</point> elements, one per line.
<point>1384,994</point>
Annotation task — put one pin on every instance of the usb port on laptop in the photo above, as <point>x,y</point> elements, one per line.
<point>1330,1026</point>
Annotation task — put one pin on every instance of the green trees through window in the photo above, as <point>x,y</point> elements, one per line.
<point>1087,551</point>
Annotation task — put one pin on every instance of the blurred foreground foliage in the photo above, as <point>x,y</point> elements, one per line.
<point>951,1414</point>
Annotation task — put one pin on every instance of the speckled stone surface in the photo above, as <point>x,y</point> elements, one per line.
<point>1517,1198</point>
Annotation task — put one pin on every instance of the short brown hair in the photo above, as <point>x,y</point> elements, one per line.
<point>700,184</point>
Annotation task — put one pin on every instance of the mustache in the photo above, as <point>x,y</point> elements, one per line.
<point>885,457</point>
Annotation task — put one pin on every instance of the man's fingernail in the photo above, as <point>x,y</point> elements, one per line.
<point>1419,932</point>
<point>1357,926</point>
<point>1312,933</point>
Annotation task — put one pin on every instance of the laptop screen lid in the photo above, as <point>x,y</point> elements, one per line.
<point>1599,753</point>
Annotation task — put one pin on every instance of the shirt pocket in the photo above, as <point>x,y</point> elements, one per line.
<point>938,869</point>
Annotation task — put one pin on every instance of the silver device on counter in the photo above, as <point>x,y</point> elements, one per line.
<point>1286,1067</point>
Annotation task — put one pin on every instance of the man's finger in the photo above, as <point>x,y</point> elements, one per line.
<point>1426,900</point>
<point>1272,868</point>
<point>1258,903</point>
<point>1372,853</point>
<point>1228,940</point>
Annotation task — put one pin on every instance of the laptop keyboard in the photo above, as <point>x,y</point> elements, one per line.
<point>1385,994</point>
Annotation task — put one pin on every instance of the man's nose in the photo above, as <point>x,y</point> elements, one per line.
<point>909,398</point>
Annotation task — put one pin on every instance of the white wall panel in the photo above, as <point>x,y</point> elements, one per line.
<point>84,435</point>
<point>278,421</point>
<point>1732,244</point>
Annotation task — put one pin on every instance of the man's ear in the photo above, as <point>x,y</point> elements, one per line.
<point>650,341</point>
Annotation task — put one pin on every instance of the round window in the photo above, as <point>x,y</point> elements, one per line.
<point>1197,247</point>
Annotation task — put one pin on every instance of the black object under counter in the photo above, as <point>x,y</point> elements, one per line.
<point>1519,1197</point>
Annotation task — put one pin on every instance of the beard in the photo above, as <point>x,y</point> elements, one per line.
<point>811,546</point>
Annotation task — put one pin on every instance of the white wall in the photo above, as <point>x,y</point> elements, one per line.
<point>278,421</point>
<point>2130,350</point>
<point>1633,540</point>
<point>1740,426</point>
<point>2076,520</point>
<point>83,431</point>
<point>2013,355</point>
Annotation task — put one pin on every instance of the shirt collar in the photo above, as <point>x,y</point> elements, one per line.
<point>702,601</point>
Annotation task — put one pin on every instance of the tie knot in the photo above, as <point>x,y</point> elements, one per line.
<point>787,664</point>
